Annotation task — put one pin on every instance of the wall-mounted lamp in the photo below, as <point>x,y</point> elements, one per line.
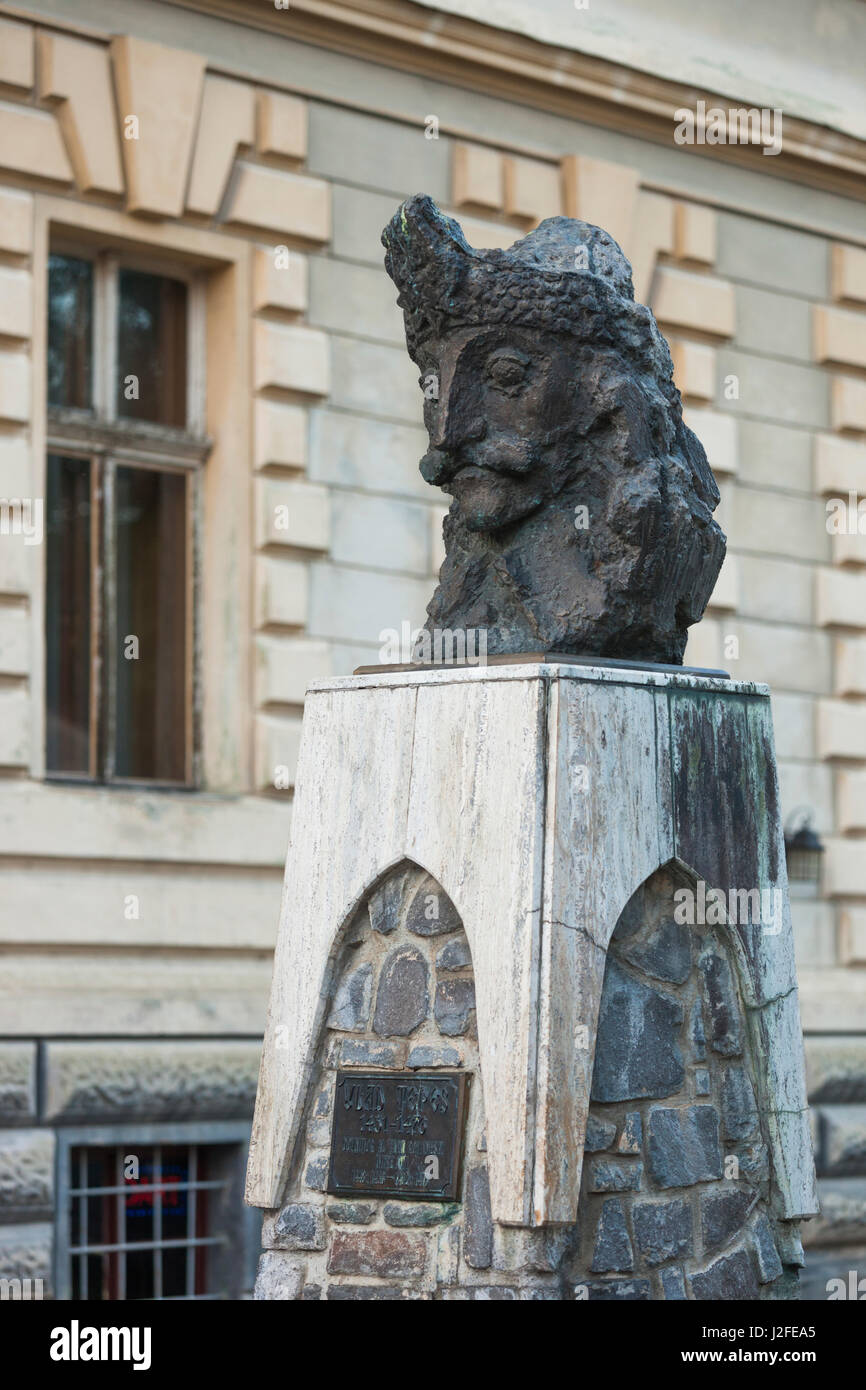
<point>803,848</point>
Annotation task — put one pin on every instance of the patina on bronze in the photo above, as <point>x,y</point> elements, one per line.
<point>582,512</point>
<point>398,1134</point>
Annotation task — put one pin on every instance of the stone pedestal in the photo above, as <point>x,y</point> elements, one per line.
<point>569,883</point>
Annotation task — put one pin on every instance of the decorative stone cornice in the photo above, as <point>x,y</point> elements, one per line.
<point>510,66</point>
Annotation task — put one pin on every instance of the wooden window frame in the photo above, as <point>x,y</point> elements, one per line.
<point>108,441</point>
<point>224,665</point>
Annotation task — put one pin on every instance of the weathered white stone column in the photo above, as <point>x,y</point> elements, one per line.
<point>540,797</point>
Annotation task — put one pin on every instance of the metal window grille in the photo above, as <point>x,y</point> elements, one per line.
<point>150,1222</point>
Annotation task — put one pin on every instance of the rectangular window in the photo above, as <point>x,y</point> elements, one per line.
<point>123,473</point>
<point>153,1221</point>
<point>151,348</point>
<point>70,512</point>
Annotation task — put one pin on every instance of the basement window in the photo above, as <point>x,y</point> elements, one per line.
<point>153,1221</point>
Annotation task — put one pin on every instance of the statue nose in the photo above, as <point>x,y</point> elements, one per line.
<point>451,431</point>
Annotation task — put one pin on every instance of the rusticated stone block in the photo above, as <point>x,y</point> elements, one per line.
<point>322,1104</point>
<point>726,1033</point>
<point>637,1050</point>
<point>754,1162</point>
<point>370,1054</point>
<point>26,1172</point>
<point>319,1132</point>
<point>434,1057</point>
<point>17,1081</point>
<point>731,1277</point>
<point>673,1284</point>
<point>298,1226</point>
<point>836,1070</point>
<point>374,1293</point>
<point>384,1254</point>
<point>351,1213</point>
<point>723,1214</point>
<point>402,999</point>
<point>431,912</point>
<point>663,952</point>
<point>312,1293</point>
<point>477,1221</point>
<point>607,1176</point>
<point>350,1012</point>
<point>316,1176</point>
<point>616,1291</point>
<point>280,1277</point>
<point>386,903</point>
<point>739,1111</point>
<point>455,955</point>
<point>162,1080</point>
<point>663,1230</point>
<point>483,1293</point>
<point>697,1036</point>
<point>612,1252</point>
<point>454,1007</point>
<point>448,1254</point>
<point>632,1134</point>
<point>843,1216</point>
<point>517,1250</point>
<point>420,1213</point>
<point>842,1130</point>
<point>766,1254</point>
<point>600,1134</point>
<point>684,1146</point>
<point>25,1253</point>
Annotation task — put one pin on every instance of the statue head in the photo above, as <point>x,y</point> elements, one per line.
<point>581,518</point>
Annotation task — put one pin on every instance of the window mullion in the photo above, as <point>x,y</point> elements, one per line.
<point>96,567</point>
<point>156,1201</point>
<point>196,350</point>
<point>122,1235</point>
<point>83,1228</point>
<point>105,374</point>
<point>192,1172</point>
<point>109,626</point>
<point>194,506</point>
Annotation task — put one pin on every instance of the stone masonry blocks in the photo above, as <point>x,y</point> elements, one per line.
<point>674,1202</point>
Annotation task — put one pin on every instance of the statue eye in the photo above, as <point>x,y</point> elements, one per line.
<point>506,370</point>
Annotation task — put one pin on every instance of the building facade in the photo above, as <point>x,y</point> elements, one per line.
<point>209,434</point>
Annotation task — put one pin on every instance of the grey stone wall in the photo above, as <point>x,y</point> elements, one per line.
<point>46,1086</point>
<point>676,1178</point>
<point>836,1240</point>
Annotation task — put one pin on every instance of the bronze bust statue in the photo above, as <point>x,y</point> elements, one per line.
<point>582,512</point>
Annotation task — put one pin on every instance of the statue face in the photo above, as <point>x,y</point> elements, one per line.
<point>496,405</point>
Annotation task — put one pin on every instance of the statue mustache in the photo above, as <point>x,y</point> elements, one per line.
<point>497,454</point>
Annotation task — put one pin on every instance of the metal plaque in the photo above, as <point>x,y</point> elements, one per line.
<point>398,1135</point>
